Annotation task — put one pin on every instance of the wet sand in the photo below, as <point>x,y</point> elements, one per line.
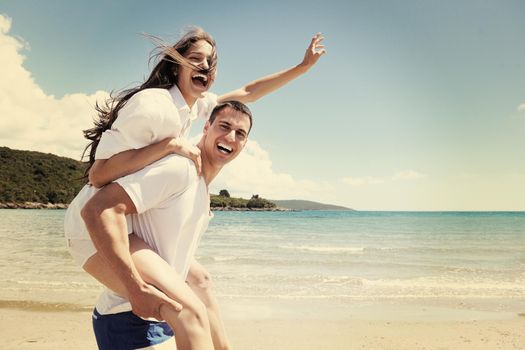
<point>30,329</point>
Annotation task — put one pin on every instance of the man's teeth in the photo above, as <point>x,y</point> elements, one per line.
<point>224,148</point>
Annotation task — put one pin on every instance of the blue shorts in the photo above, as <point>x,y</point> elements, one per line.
<point>126,331</point>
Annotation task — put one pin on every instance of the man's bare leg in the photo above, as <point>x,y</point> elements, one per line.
<point>191,324</point>
<point>199,280</point>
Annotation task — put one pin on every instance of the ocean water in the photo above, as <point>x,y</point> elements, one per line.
<point>458,259</point>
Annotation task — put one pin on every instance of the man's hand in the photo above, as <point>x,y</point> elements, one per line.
<point>147,300</point>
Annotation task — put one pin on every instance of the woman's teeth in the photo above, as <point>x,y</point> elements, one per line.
<point>200,79</point>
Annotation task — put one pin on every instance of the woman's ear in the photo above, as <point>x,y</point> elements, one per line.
<point>213,75</point>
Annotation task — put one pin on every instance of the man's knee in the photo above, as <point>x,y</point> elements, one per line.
<point>200,278</point>
<point>195,316</point>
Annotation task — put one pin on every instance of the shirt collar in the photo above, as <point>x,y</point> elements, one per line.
<point>180,102</point>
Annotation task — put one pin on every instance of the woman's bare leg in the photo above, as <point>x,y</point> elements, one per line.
<point>191,324</point>
<point>200,282</point>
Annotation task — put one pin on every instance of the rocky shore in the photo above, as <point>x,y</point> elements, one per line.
<point>32,205</point>
<point>249,209</point>
<point>36,205</point>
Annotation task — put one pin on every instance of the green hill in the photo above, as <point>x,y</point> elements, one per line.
<point>36,177</point>
<point>295,204</point>
<point>27,176</point>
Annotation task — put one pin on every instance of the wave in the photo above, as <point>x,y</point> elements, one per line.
<point>442,284</point>
<point>325,249</point>
<point>43,306</point>
<point>51,285</point>
<point>354,287</point>
<point>226,258</point>
<point>366,297</point>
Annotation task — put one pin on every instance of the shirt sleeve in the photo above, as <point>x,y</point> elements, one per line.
<point>159,181</point>
<point>206,105</point>
<point>138,124</point>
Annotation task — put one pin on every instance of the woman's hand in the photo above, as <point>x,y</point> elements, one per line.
<point>186,149</point>
<point>314,51</point>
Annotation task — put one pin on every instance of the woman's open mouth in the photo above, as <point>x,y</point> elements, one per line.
<point>200,79</point>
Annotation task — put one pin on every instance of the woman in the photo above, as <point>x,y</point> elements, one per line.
<point>148,122</point>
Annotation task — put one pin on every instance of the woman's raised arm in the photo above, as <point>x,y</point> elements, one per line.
<point>256,89</point>
<point>124,163</point>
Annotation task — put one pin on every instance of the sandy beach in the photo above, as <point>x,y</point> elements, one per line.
<point>72,330</point>
<point>300,280</point>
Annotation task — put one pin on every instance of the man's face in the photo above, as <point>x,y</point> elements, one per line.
<point>226,136</point>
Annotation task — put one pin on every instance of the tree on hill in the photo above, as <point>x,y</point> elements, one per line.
<point>256,202</point>
<point>27,176</point>
<point>224,193</point>
<point>259,202</point>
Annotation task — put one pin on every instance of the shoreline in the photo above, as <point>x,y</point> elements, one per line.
<point>38,205</point>
<point>32,205</point>
<point>250,209</point>
<point>238,308</point>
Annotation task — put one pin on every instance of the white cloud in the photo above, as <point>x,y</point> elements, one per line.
<point>363,181</point>
<point>252,173</point>
<point>408,175</point>
<point>405,175</point>
<point>33,120</point>
<point>521,107</point>
<point>517,176</point>
<point>466,176</point>
<point>29,118</point>
<point>5,24</point>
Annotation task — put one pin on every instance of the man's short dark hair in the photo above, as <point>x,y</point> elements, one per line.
<point>236,106</point>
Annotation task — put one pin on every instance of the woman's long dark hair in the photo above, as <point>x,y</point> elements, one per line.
<point>164,75</point>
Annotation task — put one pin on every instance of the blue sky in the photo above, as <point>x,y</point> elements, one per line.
<point>418,105</point>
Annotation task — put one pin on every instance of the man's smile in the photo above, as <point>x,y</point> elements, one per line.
<point>224,149</point>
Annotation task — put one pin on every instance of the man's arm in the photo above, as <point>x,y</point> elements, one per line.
<point>253,91</point>
<point>105,218</point>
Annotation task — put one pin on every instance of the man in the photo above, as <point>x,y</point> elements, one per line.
<point>172,203</point>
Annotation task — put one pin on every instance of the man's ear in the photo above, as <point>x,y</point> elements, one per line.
<point>206,127</point>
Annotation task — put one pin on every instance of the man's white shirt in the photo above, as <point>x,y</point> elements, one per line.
<point>173,212</point>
